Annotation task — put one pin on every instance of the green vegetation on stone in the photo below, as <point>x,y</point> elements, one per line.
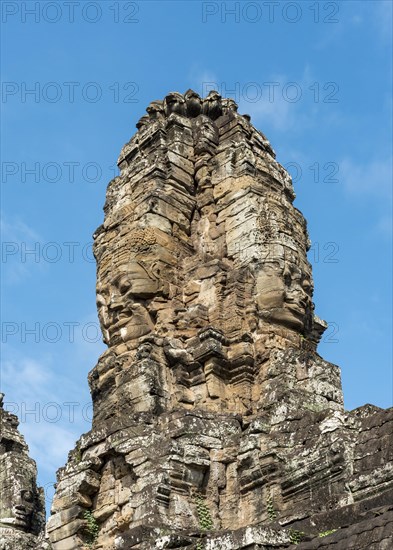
<point>92,528</point>
<point>204,517</point>
<point>296,536</point>
<point>326,533</point>
<point>271,512</point>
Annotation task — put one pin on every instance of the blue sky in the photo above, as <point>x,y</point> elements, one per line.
<point>316,78</point>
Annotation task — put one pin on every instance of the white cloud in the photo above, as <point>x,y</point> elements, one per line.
<point>53,408</point>
<point>27,377</point>
<point>284,102</point>
<point>279,113</point>
<point>20,251</point>
<point>48,391</point>
<point>280,101</point>
<point>372,178</point>
<point>202,81</point>
<point>17,230</point>
<point>49,444</point>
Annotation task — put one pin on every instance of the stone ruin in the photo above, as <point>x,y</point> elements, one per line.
<point>22,506</point>
<point>216,423</point>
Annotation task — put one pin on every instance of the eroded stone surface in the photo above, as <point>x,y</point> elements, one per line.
<point>216,422</point>
<point>22,508</point>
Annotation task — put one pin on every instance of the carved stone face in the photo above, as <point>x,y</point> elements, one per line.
<point>284,298</point>
<point>121,311</point>
<point>18,498</point>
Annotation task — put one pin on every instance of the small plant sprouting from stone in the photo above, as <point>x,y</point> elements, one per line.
<point>326,533</point>
<point>204,517</point>
<point>271,512</point>
<point>92,528</point>
<point>295,536</point>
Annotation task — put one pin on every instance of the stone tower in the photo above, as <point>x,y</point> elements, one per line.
<point>22,507</point>
<point>216,423</point>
